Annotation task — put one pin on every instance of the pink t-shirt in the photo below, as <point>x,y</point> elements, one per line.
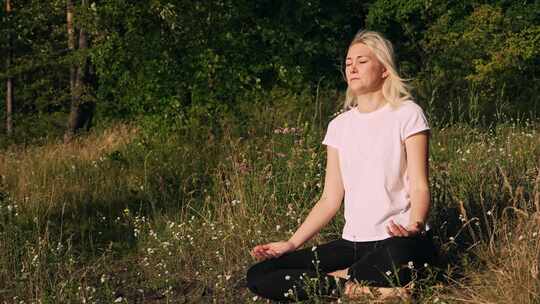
<point>373,166</point>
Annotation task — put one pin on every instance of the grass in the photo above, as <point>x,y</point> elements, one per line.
<point>123,216</point>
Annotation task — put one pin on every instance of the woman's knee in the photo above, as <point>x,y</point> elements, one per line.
<point>391,261</point>
<point>403,250</point>
<point>258,271</point>
<point>261,280</point>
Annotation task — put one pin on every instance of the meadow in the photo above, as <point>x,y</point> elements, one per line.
<point>126,214</point>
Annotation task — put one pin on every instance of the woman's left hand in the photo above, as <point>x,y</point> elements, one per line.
<point>411,230</point>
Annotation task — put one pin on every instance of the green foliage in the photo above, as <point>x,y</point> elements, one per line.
<point>491,50</point>
<point>40,68</point>
<point>469,61</point>
<point>151,55</point>
<point>404,23</point>
<point>476,59</point>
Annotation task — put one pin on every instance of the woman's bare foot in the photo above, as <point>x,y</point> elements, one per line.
<point>340,273</point>
<point>353,290</point>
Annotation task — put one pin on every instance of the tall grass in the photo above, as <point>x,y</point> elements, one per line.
<point>124,216</point>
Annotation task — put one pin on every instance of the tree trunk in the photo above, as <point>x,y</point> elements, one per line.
<point>81,110</point>
<point>9,82</point>
<point>71,43</point>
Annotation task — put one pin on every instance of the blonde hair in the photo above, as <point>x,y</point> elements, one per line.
<point>394,88</point>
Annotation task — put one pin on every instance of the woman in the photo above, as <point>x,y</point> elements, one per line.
<point>377,160</point>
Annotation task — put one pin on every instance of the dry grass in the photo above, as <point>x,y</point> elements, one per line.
<point>235,193</point>
<point>508,269</point>
<point>42,173</point>
<point>87,148</point>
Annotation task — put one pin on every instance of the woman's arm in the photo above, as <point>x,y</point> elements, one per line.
<point>318,217</point>
<point>417,147</point>
<point>327,206</point>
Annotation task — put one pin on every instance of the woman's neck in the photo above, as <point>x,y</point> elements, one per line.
<point>370,102</point>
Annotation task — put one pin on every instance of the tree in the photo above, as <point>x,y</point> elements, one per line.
<point>81,110</point>
<point>38,67</point>
<point>71,42</point>
<point>9,81</point>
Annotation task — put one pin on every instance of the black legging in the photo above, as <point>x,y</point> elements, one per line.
<point>382,263</point>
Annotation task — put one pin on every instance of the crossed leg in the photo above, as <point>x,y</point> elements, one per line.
<point>289,277</point>
<point>389,267</point>
<point>383,264</point>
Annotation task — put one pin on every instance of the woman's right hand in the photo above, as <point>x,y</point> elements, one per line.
<point>272,250</point>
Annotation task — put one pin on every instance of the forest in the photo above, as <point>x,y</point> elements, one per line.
<point>146,146</point>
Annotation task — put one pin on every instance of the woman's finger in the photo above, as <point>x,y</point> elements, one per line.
<point>390,231</point>
<point>254,252</point>
<point>268,254</point>
<point>260,256</point>
<point>402,230</point>
<point>260,253</point>
<point>399,229</point>
<point>395,231</point>
<point>273,253</point>
<point>257,250</point>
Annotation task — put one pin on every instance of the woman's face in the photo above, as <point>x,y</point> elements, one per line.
<point>364,72</point>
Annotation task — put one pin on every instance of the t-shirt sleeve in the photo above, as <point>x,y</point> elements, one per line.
<point>414,122</point>
<point>331,138</point>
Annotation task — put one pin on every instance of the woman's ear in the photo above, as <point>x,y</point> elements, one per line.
<point>385,73</point>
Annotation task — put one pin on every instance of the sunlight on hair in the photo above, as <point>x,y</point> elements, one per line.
<point>394,89</point>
